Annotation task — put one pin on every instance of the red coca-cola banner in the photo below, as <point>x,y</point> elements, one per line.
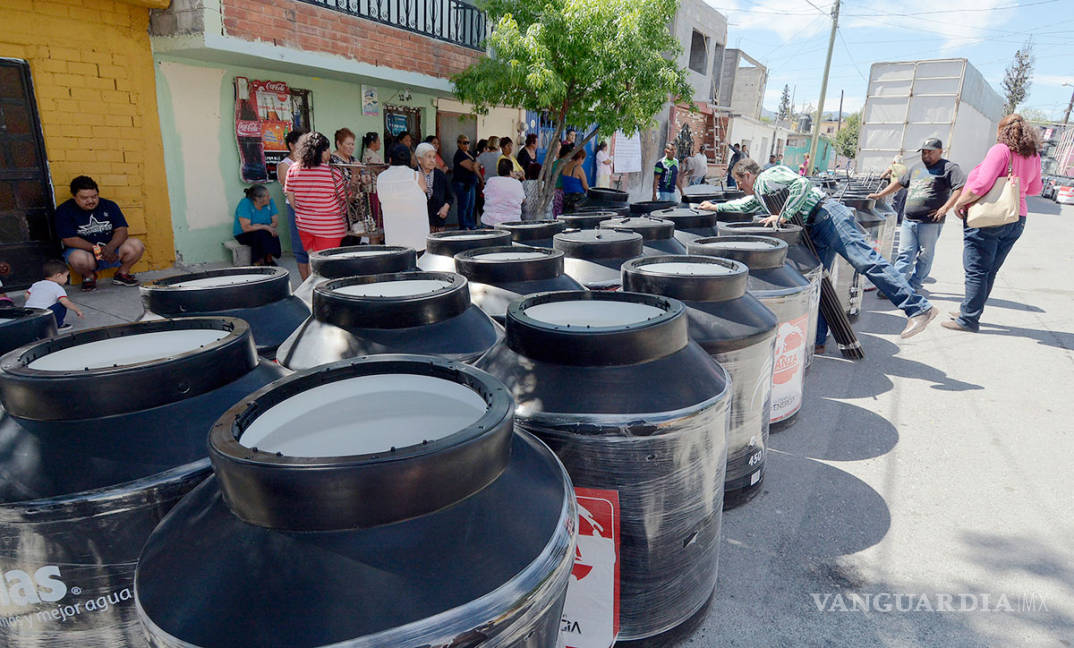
<point>263,117</point>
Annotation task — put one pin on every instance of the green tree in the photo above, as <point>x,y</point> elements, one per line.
<point>1016,79</point>
<point>785,109</point>
<point>1034,116</point>
<point>846,140</point>
<point>609,64</point>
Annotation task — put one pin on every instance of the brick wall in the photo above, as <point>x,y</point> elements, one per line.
<point>92,70</point>
<point>307,27</point>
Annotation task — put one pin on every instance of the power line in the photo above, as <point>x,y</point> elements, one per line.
<point>959,11</point>
<point>850,57</point>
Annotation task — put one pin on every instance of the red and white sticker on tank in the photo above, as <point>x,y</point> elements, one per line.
<point>591,611</point>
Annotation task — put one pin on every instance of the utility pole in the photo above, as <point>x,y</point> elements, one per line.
<point>840,126</point>
<point>1066,117</point>
<point>823,90</point>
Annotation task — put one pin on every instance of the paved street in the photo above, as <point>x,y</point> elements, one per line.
<point>940,465</point>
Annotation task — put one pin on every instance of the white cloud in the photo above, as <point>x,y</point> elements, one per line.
<point>789,19</point>
<point>850,104</point>
<point>1052,79</point>
<point>962,23</point>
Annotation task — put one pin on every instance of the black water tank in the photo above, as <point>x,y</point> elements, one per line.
<point>658,234</point>
<point>739,332</point>
<point>606,195</point>
<point>407,312</point>
<point>378,502</point>
<point>798,255</point>
<point>594,257</point>
<point>689,223</point>
<point>619,209</point>
<point>537,233</point>
<point>19,326</point>
<point>441,247</point>
<point>587,220</point>
<point>257,294</point>
<point>101,432</point>
<point>693,194</point>
<point>613,384</point>
<point>500,275</point>
<point>336,263</point>
<point>787,293</point>
<point>646,206</point>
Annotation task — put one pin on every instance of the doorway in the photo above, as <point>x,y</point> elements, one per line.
<point>26,230</point>
<point>449,125</point>
<point>398,119</point>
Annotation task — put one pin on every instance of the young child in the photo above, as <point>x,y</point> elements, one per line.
<point>49,293</point>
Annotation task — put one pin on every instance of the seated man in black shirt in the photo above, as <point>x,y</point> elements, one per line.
<point>94,235</point>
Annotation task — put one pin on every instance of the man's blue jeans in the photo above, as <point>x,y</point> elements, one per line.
<point>834,231</point>
<point>665,195</point>
<point>465,195</point>
<point>917,249</point>
<point>983,253</point>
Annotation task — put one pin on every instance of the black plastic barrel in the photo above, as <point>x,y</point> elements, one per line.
<point>798,255</point>
<point>694,194</point>
<point>787,293</point>
<point>647,206</point>
<point>593,258</point>
<point>619,209</point>
<point>385,502</point>
<point>587,220</point>
<point>613,384</point>
<point>407,312</point>
<point>336,263</point>
<point>689,223</point>
<point>101,432</point>
<point>19,326</point>
<point>537,233</point>
<point>441,247</point>
<point>739,332</point>
<point>500,275</point>
<point>607,195</point>
<point>658,235</point>
<point>257,294</point>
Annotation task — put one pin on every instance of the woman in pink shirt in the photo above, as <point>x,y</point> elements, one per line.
<point>503,195</point>
<point>985,248</point>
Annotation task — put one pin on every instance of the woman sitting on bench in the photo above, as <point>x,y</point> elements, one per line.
<point>255,225</point>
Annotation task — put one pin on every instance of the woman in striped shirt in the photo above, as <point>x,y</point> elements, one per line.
<point>317,192</point>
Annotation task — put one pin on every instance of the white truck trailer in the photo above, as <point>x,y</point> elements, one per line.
<point>910,101</point>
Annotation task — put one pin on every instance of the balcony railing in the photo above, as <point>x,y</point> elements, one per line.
<point>451,21</point>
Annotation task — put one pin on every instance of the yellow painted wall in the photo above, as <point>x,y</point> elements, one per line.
<point>92,69</point>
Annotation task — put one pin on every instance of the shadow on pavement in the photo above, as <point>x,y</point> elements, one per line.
<point>1057,339</point>
<point>1044,206</point>
<point>992,303</point>
<point>848,433</point>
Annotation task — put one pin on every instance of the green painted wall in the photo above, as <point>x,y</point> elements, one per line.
<point>335,104</point>
<point>794,155</point>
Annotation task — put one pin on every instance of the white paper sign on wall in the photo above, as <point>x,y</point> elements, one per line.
<point>627,153</point>
<point>591,611</point>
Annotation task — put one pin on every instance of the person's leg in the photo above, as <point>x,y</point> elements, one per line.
<point>978,256</point>
<point>129,253</point>
<point>836,227</point>
<point>927,235</point>
<point>252,241</point>
<point>59,311</point>
<point>826,254</point>
<point>471,206</point>
<point>272,247</point>
<point>302,258</point>
<point>909,246</point>
<point>82,262</point>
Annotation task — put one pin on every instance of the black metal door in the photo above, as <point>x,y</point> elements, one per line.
<point>26,231</point>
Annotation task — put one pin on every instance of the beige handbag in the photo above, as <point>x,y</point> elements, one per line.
<point>1000,206</point>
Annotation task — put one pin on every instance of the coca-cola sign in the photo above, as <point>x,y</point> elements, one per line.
<point>247,129</point>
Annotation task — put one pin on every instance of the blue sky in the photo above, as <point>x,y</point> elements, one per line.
<point>791,38</point>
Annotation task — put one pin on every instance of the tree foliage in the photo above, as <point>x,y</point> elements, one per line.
<point>1034,116</point>
<point>1016,80</point>
<point>604,63</point>
<point>785,108</point>
<point>846,140</point>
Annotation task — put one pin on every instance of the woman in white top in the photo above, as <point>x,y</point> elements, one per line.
<point>371,148</point>
<point>604,166</point>
<point>503,196</point>
<point>402,198</point>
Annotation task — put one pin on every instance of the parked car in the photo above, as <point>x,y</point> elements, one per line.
<point>1064,193</point>
<point>1048,187</point>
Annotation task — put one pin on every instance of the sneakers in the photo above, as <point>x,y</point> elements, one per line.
<point>917,323</point>
<point>89,285</point>
<point>954,314</point>
<point>121,279</point>
<point>64,327</point>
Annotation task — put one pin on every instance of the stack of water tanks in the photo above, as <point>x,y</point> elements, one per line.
<point>441,247</point>
<point>336,263</point>
<point>593,258</point>
<point>658,235</point>
<point>533,233</point>
<point>500,275</point>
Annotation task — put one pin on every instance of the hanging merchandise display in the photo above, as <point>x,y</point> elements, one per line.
<point>406,312</point>
<point>101,432</point>
<point>800,256</point>
<point>500,275</point>
<point>441,247</point>
<point>739,332</point>
<point>19,326</point>
<point>533,233</point>
<point>586,220</point>
<point>383,502</point>
<point>787,293</point>
<point>613,384</point>
<point>689,223</point>
<point>336,263</point>
<point>658,235</point>
<point>259,295</point>
<point>594,257</point>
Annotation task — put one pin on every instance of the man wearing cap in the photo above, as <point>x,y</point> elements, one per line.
<point>781,192</point>
<point>933,187</point>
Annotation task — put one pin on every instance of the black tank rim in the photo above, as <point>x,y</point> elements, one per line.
<point>271,490</point>
<point>605,194</point>
<point>732,217</point>
<point>599,244</point>
<point>647,206</point>
<point>25,325</point>
<point>493,272</point>
<point>94,393</point>
<point>393,258</point>
<point>522,231</point>
<point>716,288</point>
<point>773,256</point>
<point>598,346</point>
<point>354,312</point>
<point>586,220</point>
<point>163,298</point>
<point>686,218</point>
<point>650,228</point>
<point>789,233</point>
<point>451,243</point>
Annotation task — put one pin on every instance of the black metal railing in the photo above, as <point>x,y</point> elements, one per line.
<point>451,21</point>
